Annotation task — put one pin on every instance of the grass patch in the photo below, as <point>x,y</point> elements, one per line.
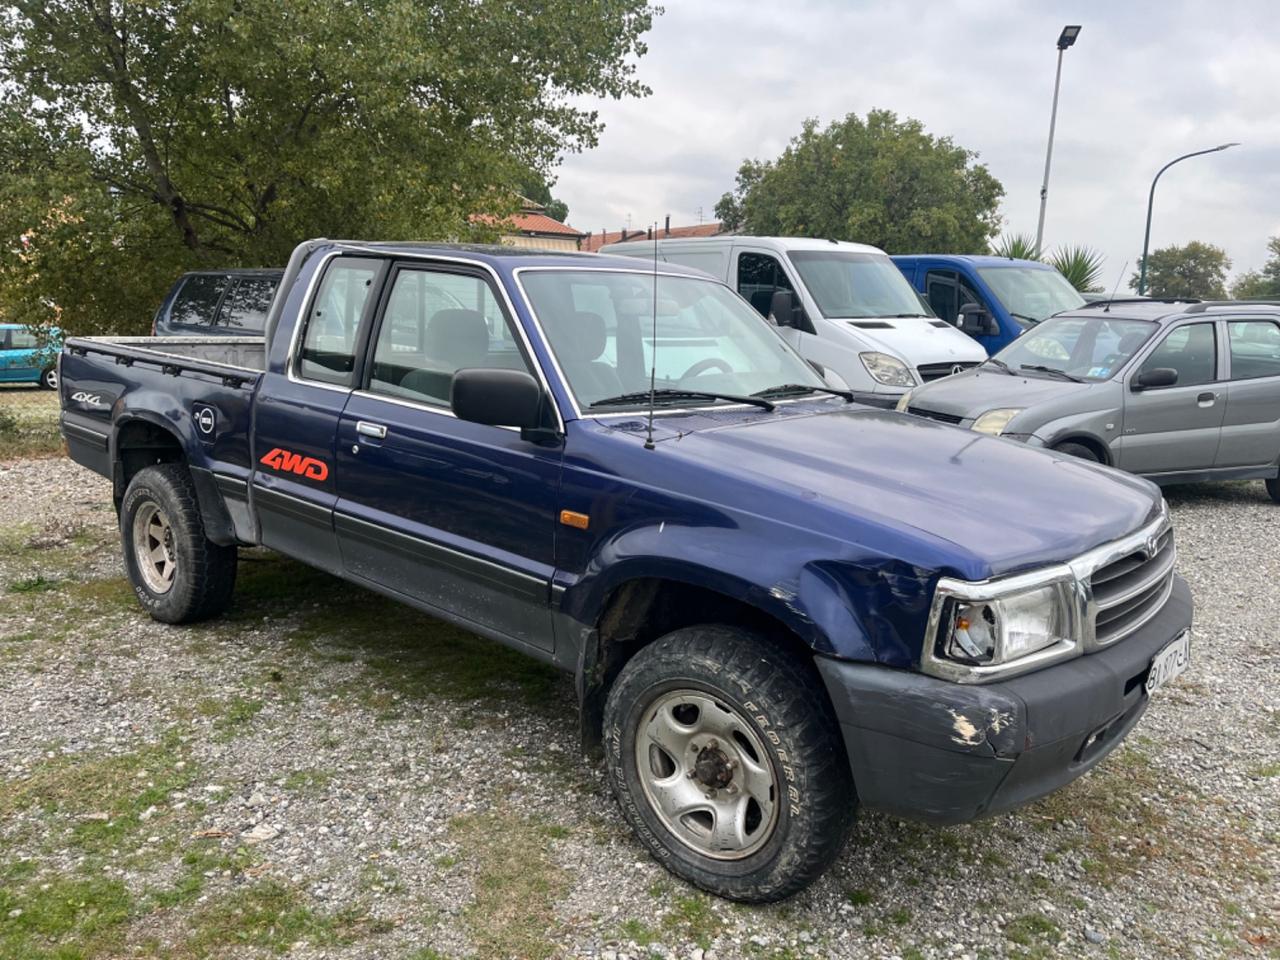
<point>37,584</point>
<point>516,885</point>
<point>229,716</point>
<point>311,778</point>
<point>1032,930</point>
<point>860,897</point>
<point>64,919</point>
<point>1265,771</point>
<point>267,915</point>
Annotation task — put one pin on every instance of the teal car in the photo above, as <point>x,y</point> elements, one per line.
<point>25,359</point>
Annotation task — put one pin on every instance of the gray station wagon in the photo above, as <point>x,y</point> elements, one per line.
<point>1174,391</point>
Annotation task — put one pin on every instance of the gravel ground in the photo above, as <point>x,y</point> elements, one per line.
<point>324,774</point>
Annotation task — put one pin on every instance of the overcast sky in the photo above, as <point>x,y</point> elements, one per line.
<point>1144,83</point>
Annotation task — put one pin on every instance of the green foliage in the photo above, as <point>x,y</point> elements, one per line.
<point>881,180</point>
<point>1197,270</point>
<point>1016,246</point>
<point>141,140</point>
<point>534,187</point>
<point>1081,265</point>
<point>1261,284</point>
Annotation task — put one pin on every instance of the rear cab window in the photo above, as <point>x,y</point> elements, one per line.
<point>335,320</point>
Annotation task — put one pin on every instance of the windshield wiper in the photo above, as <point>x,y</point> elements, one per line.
<point>1022,316</point>
<point>1041,368</point>
<point>668,393</point>
<point>999,363</point>
<point>797,389</point>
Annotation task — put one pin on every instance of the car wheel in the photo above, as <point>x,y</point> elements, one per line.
<point>727,761</point>
<point>1273,488</point>
<point>1077,450</point>
<point>49,379</point>
<point>178,574</point>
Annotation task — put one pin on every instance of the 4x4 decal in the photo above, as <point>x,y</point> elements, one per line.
<point>289,462</point>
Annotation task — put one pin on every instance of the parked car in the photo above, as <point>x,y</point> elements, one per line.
<point>843,306</point>
<point>993,299</point>
<point>774,604</point>
<point>27,358</point>
<point>217,303</point>
<point>1172,391</point>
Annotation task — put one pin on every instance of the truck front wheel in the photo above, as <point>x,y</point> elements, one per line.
<point>726,758</point>
<point>178,574</point>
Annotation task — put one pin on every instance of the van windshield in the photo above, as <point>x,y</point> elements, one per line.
<point>1030,292</point>
<point>601,326</point>
<point>851,285</point>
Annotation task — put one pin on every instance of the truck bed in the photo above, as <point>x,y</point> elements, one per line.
<point>244,353</point>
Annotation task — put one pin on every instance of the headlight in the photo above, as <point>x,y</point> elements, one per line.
<point>994,421</point>
<point>984,631</point>
<point>904,401</point>
<point>888,370</point>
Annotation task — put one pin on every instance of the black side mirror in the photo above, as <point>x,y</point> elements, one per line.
<point>500,398</point>
<point>782,308</point>
<point>1155,377</point>
<point>976,321</point>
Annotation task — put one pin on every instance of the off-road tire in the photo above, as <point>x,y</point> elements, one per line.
<point>205,572</point>
<point>49,379</point>
<point>1077,450</point>
<point>785,704</point>
<point>1273,488</point>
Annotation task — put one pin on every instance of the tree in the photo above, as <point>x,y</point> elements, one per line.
<point>1016,246</point>
<point>1081,265</point>
<point>880,181</point>
<point>139,140</point>
<point>1261,284</point>
<point>535,187</point>
<point>1196,271</point>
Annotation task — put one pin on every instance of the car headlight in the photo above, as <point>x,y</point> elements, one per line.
<point>904,401</point>
<point>888,370</point>
<point>983,631</point>
<point>994,421</point>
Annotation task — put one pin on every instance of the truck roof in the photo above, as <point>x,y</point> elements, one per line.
<point>497,255</point>
<point>1168,310</point>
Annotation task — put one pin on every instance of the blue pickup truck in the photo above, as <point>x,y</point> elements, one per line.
<point>993,299</point>
<point>775,606</point>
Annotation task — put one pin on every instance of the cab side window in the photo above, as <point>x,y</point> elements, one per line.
<point>947,293</point>
<point>1255,349</point>
<point>333,322</point>
<point>759,275</point>
<point>1191,350</point>
<point>436,323</point>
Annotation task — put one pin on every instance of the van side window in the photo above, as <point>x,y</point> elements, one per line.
<point>333,322</point>
<point>1191,350</point>
<point>759,275</point>
<point>197,302</point>
<point>435,324</point>
<point>947,293</point>
<point>1255,349</point>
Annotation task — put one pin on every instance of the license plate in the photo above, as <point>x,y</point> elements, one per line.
<point>1169,663</point>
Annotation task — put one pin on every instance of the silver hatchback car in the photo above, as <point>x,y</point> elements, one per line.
<point>1173,391</point>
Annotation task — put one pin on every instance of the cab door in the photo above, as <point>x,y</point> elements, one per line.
<point>1176,428</point>
<point>456,515</point>
<point>18,359</point>
<point>757,275</point>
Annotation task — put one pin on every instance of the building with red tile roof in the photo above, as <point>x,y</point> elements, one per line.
<point>597,240</point>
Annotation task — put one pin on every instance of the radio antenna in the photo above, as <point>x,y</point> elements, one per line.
<point>653,363</point>
<point>1111,299</point>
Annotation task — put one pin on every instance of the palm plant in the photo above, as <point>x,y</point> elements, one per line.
<point>1016,246</point>
<point>1081,265</point>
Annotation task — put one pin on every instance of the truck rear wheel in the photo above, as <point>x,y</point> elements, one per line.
<point>178,574</point>
<point>727,761</point>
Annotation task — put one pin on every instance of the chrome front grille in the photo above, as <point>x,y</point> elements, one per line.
<point>936,371</point>
<point>1130,590</point>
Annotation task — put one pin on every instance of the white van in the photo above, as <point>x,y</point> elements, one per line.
<point>852,311</point>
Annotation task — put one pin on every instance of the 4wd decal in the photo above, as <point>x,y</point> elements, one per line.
<point>92,399</point>
<point>289,462</point>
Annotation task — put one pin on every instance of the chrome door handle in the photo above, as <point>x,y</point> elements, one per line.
<point>367,429</point>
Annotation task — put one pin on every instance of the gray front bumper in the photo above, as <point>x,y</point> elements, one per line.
<point>928,749</point>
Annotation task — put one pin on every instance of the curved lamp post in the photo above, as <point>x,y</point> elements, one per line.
<point>1146,240</point>
<point>1065,39</point>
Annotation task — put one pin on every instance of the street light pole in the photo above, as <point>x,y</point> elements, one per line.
<point>1146,239</point>
<point>1065,39</point>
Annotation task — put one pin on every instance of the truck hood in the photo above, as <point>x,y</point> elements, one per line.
<point>908,487</point>
<point>971,394</point>
<point>915,339</point>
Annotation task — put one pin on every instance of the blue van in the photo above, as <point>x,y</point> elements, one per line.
<point>24,359</point>
<point>993,299</point>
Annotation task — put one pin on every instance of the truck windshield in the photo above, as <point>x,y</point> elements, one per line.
<point>1081,348</point>
<point>849,285</point>
<point>1031,293</point>
<point>600,325</point>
